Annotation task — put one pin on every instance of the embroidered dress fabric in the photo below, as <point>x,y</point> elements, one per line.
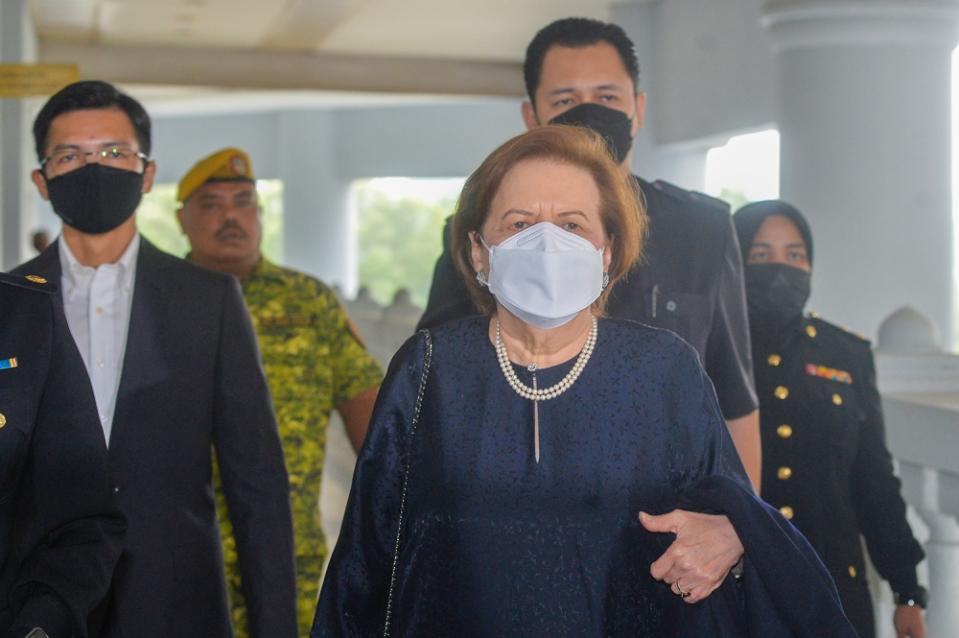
<point>495,544</point>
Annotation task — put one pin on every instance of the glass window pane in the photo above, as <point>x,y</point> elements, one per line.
<point>400,226</point>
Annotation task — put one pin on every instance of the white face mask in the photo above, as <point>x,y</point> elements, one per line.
<point>545,275</point>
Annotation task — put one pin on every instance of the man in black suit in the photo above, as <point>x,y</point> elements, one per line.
<point>175,371</point>
<point>60,532</point>
<point>585,72</point>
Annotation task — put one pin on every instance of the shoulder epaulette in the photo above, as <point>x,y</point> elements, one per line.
<point>719,204</point>
<point>841,331</point>
<point>29,282</point>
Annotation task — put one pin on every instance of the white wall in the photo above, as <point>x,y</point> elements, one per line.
<point>318,152</point>
<point>422,141</point>
<point>178,142</point>
<point>714,71</point>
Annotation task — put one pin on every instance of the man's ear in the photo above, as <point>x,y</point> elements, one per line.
<point>529,115</point>
<point>149,172</point>
<point>640,112</point>
<point>179,218</point>
<point>36,176</point>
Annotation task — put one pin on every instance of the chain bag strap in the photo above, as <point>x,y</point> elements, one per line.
<point>427,358</point>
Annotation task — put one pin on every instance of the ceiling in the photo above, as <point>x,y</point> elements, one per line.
<point>181,56</point>
<point>448,29</point>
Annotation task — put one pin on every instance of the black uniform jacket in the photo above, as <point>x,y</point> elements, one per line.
<point>192,383</point>
<point>825,461</point>
<point>690,282</point>
<point>60,532</point>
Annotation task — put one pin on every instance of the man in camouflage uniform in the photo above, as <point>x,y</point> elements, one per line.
<point>312,354</point>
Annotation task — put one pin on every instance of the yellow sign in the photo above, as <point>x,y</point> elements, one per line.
<point>28,80</point>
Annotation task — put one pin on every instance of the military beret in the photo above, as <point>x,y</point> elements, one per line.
<point>228,165</point>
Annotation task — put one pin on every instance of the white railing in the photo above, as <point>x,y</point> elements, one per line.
<point>384,328</point>
<point>920,389</point>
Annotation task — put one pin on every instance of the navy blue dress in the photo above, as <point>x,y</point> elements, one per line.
<point>493,543</point>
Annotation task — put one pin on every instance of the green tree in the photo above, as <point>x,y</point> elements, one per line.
<point>156,220</point>
<point>399,240</point>
<point>736,199</point>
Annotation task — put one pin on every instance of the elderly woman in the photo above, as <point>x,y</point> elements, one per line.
<point>826,465</point>
<point>510,455</point>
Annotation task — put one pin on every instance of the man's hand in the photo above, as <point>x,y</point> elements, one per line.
<point>705,549</point>
<point>909,622</point>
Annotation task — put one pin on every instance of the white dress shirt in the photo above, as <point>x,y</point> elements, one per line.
<point>97,304</point>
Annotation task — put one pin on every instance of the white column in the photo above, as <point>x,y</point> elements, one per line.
<point>17,199</point>
<point>864,114</point>
<point>942,552</point>
<point>919,384</point>
<point>318,233</point>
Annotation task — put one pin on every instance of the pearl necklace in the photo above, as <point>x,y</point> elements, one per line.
<point>536,394</point>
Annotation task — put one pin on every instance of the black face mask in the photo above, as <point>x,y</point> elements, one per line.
<point>775,295</point>
<point>95,199</point>
<point>614,126</point>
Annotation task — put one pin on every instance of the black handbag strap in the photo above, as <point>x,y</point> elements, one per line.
<point>427,359</point>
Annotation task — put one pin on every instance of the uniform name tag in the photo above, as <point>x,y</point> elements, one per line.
<point>839,376</point>
<point>7,364</point>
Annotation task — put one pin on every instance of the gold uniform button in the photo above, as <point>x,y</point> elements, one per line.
<point>784,473</point>
<point>3,419</point>
<point>787,512</point>
<point>836,399</point>
<point>37,279</point>
<point>852,571</point>
<point>784,431</point>
<point>781,392</point>
<point>811,331</point>
<point>774,360</point>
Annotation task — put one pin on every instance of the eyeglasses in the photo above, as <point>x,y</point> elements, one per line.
<point>68,159</point>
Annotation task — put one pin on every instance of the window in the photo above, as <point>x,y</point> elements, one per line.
<point>399,232</point>
<point>156,219</point>
<point>745,169</point>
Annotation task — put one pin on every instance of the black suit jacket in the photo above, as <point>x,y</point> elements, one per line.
<point>60,532</point>
<point>192,383</point>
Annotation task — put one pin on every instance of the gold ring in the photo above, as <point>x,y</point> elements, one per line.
<point>685,594</point>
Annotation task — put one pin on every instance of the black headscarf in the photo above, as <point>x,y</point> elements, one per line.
<point>776,293</point>
<point>750,217</point>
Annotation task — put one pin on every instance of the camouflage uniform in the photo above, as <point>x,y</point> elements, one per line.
<point>313,363</point>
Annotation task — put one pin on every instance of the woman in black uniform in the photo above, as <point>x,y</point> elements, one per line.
<point>825,462</point>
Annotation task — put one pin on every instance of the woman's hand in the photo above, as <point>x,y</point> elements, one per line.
<point>705,549</point>
<point>909,622</point>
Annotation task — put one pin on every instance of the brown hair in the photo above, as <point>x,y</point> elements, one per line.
<point>622,212</point>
